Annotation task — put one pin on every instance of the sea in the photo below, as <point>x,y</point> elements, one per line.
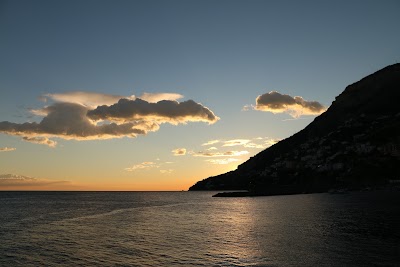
<point>195,229</point>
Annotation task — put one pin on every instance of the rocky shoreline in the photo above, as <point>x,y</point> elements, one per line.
<point>390,187</point>
<point>353,145</point>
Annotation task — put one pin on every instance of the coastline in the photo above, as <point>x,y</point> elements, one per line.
<point>234,194</point>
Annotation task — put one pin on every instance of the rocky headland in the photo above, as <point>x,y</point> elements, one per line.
<point>354,145</point>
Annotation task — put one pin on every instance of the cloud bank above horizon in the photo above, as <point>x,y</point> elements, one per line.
<point>93,116</point>
<point>15,180</point>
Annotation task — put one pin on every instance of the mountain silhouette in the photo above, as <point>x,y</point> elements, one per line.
<point>355,144</point>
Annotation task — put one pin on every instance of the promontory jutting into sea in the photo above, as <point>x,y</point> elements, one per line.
<point>354,145</point>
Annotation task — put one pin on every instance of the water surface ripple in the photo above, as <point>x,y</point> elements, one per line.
<point>194,229</point>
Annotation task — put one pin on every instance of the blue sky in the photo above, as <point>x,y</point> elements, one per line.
<point>221,54</point>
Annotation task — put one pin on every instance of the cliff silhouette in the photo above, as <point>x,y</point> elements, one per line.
<point>355,144</point>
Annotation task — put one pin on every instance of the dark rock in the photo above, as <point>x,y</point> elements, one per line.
<point>355,144</point>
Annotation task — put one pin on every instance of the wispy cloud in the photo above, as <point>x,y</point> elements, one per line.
<point>150,165</point>
<point>142,166</point>
<point>93,99</point>
<point>157,97</point>
<point>236,142</point>
<point>87,99</point>
<point>179,152</point>
<point>222,161</point>
<point>14,180</point>
<point>212,142</point>
<point>7,149</point>
<point>220,154</point>
<point>169,171</point>
<point>261,143</point>
<point>40,140</point>
<point>281,103</point>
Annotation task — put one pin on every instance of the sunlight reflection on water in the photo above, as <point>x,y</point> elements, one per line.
<point>193,229</point>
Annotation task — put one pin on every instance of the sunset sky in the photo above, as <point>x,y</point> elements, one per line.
<point>156,95</point>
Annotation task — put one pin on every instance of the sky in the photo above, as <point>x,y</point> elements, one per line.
<point>157,95</point>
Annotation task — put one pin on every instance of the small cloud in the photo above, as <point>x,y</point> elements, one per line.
<point>295,119</point>
<point>220,154</point>
<point>212,142</point>
<point>149,165</point>
<point>41,112</point>
<point>7,149</point>
<point>236,142</point>
<point>142,166</point>
<point>266,142</point>
<point>281,103</point>
<point>247,107</point>
<point>254,145</point>
<point>179,152</point>
<point>169,171</point>
<point>270,142</point>
<point>258,142</point>
<point>40,140</point>
<point>222,161</point>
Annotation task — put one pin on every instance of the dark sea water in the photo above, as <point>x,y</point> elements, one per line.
<point>194,229</point>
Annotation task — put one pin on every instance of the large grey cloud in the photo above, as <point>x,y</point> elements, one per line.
<point>295,106</point>
<point>72,117</point>
<point>69,121</point>
<point>163,111</point>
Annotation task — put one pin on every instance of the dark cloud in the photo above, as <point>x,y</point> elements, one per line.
<point>69,121</point>
<point>77,115</point>
<point>163,111</point>
<point>296,106</point>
